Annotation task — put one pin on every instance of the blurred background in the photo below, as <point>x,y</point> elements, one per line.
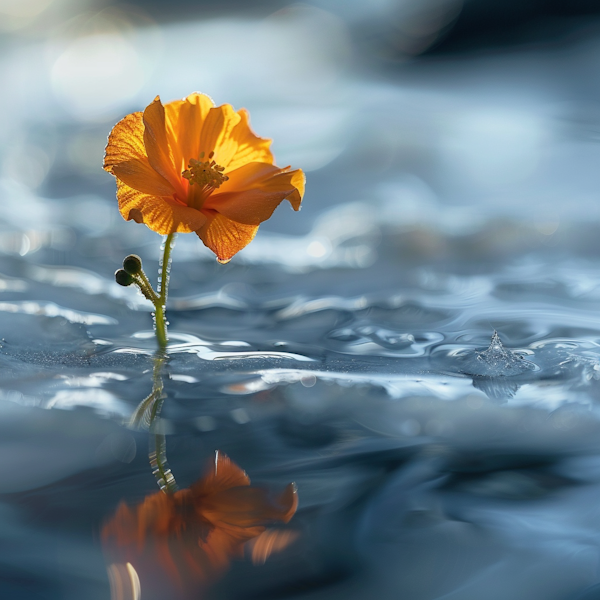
<point>443,115</point>
<point>453,186</point>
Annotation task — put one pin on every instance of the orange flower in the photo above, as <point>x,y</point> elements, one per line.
<point>194,533</point>
<point>190,166</point>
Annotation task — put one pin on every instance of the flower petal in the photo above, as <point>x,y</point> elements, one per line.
<point>172,110</point>
<point>226,237</point>
<point>216,133</point>
<point>247,176</point>
<point>255,192</point>
<point>157,145</point>
<point>250,147</point>
<point>184,120</point>
<point>161,214</point>
<point>139,175</point>
<point>125,142</point>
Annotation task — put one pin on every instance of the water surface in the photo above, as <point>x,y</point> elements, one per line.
<point>349,349</point>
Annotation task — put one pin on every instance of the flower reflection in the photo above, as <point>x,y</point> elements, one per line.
<point>269,541</point>
<point>193,534</point>
<point>190,166</point>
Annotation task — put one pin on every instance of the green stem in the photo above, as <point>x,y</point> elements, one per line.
<point>158,454</point>
<point>142,281</point>
<point>148,410</point>
<point>160,325</point>
<point>160,322</point>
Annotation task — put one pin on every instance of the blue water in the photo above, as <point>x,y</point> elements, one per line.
<point>348,349</point>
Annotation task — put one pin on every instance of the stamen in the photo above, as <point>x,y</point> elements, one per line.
<point>205,173</point>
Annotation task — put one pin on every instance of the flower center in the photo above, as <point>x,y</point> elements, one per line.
<point>206,174</point>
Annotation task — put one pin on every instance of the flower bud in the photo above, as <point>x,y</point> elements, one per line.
<point>123,278</point>
<point>132,264</point>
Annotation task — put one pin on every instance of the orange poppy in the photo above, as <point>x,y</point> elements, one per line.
<point>191,166</point>
<point>194,533</point>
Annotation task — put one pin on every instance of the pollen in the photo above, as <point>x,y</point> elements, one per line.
<point>206,174</point>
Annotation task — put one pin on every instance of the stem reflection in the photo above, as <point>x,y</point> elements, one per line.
<point>146,416</point>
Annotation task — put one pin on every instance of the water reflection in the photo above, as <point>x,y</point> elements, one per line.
<point>180,542</point>
<point>146,416</point>
<point>149,408</point>
<point>325,354</point>
<point>496,388</point>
